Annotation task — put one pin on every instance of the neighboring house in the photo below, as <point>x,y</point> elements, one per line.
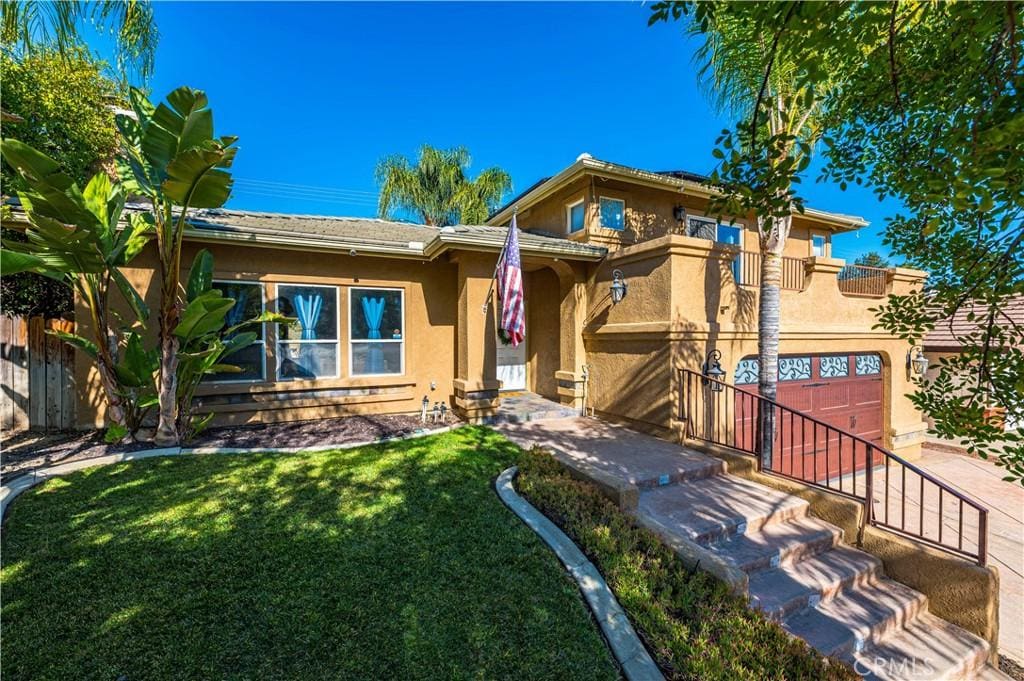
<point>392,312</point>
<point>946,339</point>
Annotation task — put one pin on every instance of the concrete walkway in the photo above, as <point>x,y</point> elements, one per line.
<point>1005,501</point>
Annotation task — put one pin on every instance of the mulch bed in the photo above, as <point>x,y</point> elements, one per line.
<point>25,452</point>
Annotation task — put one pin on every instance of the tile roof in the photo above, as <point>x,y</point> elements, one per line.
<point>946,333</point>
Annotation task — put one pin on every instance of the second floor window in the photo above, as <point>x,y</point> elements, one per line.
<point>818,242</point>
<point>702,228</point>
<point>574,215</point>
<point>613,213</point>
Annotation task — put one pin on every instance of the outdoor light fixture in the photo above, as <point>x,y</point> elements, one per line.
<point>917,365</point>
<point>679,213</point>
<point>713,370</point>
<point>619,287</point>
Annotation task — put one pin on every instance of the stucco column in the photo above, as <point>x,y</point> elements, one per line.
<point>476,386</point>
<point>572,285</point>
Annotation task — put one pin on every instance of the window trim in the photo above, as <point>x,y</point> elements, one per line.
<point>600,218</point>
<point>262,341</point>
<point>351,340</point>
<point>568,216</point>
<point>337,332</point>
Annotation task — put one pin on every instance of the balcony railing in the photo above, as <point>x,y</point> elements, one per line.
<point>746,270</point>
<point>861,280</point>
<point>896,495</point>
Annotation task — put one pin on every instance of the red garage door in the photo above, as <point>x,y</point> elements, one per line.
<point>844,391</point>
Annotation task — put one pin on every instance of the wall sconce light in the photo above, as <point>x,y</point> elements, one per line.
<point>917,365</point>
<point>679,213</point>
<point>713,372</point>
<point>619,287</point>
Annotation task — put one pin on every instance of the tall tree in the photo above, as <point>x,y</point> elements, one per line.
<point>872,259</point>
<point>28,25</point>
<point>777,122</point>
<point>437,189</point>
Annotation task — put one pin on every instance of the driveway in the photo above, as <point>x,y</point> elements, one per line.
<point>1005,500</point>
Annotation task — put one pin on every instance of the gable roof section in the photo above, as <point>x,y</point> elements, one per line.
<point>673,180</point>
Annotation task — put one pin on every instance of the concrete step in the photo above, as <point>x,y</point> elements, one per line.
<point>783,590</point>
<point>855,618</point>
<point>928,648</point>
<point>717,507</point>
<point>777,544</point>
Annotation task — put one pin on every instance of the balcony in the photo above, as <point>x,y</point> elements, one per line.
<point>855,281</point>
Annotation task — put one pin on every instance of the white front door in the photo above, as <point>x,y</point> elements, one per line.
<point>511,365</point>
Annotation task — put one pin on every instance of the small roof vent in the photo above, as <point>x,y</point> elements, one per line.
<point>583,156</point>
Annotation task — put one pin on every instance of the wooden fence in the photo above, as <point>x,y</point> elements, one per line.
<point>36,375</point>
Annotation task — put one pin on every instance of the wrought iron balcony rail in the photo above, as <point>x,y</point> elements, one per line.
<point>861,280</point>
<point>896,495</point>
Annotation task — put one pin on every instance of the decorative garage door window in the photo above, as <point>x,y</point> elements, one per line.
<point>794,368</point>
<point>834,366</point>
<point>376,331</point>
<point>866,365</point>
<point>746,372</point>
<point>248,297</point>
<point>308,349</point>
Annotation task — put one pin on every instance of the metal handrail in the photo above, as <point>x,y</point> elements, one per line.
<point>863,280</point>
<point>747,270</point>
<point>704,421</point>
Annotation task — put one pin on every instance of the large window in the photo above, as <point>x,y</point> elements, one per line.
<point>248,297</point>
<point>308,348</point>
<point>702,228</point>
<point>376,331</point>
<point>574,214</point>
<point>613,213</point>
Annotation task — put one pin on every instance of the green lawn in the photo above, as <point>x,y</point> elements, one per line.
<point>394,561</point>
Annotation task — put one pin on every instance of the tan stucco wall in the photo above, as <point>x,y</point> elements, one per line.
<point>430,325</point>
<point>682,303</point>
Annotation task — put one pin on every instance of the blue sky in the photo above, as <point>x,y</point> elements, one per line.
<point>318,92</point>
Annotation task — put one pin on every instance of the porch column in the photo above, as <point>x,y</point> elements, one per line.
<point>572,279</point>
<point>476,385</point>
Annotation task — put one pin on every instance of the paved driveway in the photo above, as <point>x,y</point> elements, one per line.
<point>983,481</point>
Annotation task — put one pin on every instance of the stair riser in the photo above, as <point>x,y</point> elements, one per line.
<point>678,477</point>
<point>747,526</point>
<point>789,554</point>
<point>880,629</point>
<point>826,593</point>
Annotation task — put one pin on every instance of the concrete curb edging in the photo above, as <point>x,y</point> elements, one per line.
<point>629,651</point>
<point>10,490</point>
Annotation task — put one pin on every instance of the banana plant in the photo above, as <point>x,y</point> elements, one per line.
<point>172,159</point>
<point>206,341</point>
<point>81,238</point>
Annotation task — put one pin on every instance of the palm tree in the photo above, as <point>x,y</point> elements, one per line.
<point>778,120</point>
<point>436,188</point>
<point>27,25</point>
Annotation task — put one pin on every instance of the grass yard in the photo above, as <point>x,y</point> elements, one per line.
<point>395,561</point>
<point>688,619</point>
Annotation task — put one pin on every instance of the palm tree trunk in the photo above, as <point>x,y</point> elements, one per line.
<point>170,313</point>
<point>768,336</point>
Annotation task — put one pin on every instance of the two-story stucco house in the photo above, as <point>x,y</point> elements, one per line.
<point>392,312</point>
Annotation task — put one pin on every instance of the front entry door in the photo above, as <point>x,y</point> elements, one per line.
<point>511,365</point>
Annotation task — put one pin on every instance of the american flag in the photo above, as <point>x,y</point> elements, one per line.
<point>510,288</point>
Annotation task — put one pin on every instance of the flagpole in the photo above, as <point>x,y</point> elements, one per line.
<point>501,256</point>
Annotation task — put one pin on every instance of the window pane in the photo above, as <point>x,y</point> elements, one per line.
<point>834,366</point>
<point>818,245</point>
<point>702,228</point>
<point>794,368</point>
<point>307,360</point>
<point>576,217</point>
<point>249,360</point>
<point>867,365</point>
<point>612,213</point>
<point>376,314</point>
<point>315,307</point>
<point>376,358</point>
<point>248,299</point>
